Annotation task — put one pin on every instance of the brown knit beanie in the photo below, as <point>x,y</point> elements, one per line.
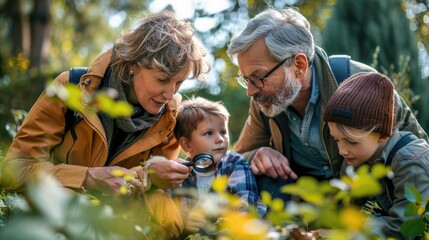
<point>364,101</point>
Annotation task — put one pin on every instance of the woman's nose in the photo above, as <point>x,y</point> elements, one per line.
<point>169,91</point>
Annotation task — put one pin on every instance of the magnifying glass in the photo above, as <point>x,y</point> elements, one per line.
<point>202,162</point>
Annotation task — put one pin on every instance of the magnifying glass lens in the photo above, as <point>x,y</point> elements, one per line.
<point>203,162</point>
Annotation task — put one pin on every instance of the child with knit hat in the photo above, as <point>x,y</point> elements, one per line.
<point>360,119</point>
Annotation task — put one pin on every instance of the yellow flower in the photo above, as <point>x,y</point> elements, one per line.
<point>352,218</point>
<point>244,226</point>
<point>117,173</point>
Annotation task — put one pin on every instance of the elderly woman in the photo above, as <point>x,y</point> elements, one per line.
<point>146,67</point>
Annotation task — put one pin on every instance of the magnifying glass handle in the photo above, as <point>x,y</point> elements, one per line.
<point>188,163</point>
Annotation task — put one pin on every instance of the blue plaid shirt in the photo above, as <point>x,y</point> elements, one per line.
<point>241,181</point>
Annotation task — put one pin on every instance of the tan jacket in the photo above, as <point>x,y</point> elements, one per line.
<point>42,144</point>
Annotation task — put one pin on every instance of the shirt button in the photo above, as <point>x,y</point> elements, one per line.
<point>325,167</point>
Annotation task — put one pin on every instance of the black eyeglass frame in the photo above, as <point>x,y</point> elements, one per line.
<point>244,81</point>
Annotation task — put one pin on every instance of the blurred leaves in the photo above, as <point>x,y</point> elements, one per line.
<point>52,212</point>
<point>102,101</point>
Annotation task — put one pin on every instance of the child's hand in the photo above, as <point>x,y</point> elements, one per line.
<point>195,220</point>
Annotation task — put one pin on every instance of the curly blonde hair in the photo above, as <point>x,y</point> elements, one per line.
<point>163,43</point>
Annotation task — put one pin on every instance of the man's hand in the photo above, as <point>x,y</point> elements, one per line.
<point>270,162</point>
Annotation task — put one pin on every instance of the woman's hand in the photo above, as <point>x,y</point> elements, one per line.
<point>166,173</point>
<point>270,162</point>
<point>194,221</point>
<point>102,179</point>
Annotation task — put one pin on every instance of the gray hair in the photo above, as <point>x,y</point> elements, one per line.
<point>286,33</point>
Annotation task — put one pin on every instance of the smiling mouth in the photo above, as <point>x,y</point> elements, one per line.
<point>159,103</point>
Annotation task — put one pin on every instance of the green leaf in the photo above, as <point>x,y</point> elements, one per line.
<point>412,194</point>
<point>308,213</point>
<point>113,108</point>
<point>362,170</point>
<point>121,109</point>
<point>410,209</point>
<point>277,205</point>
<point>308,183</point>
<point>413,227</point>
<point>365,185</point>
<point>292,189</point>
<point>379,171</point>
<point>265,197</point>
<point>313,197</point>
<point>426,216</point>
<point>426,206</point>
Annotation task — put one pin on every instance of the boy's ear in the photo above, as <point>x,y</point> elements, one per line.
<point>184,143</point>
<point>382,139</point>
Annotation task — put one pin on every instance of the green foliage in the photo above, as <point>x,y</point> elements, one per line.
<point>417,208</point>
<point>18,116</point>
<point>320,202</point>
<point>48,211</point>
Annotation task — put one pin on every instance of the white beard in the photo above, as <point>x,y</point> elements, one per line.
<point>282,98</point>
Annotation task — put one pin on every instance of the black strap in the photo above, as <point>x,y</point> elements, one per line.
<point>71,119</point>
<point>402,142</point>
<point>74,77</point>
<point>409,137</point>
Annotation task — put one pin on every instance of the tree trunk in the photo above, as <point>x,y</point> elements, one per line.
<point>40,22</point>
<point>18,28</point>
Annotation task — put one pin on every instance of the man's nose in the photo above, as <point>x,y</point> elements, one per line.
<point>252,90</point>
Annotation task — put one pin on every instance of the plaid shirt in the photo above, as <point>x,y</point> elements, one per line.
<point>241,181</point>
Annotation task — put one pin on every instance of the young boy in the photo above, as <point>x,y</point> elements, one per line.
<point>360,119</point>
<point>202,127</point>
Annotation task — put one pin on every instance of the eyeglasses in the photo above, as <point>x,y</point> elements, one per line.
<point>244,81</point>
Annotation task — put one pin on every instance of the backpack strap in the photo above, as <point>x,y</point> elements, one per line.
<point>76,73</point>
<point>74,77</point>
<point>409,137</point>
<point>340,65</point>
<point>70,117</point>
<point>401,143</point>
